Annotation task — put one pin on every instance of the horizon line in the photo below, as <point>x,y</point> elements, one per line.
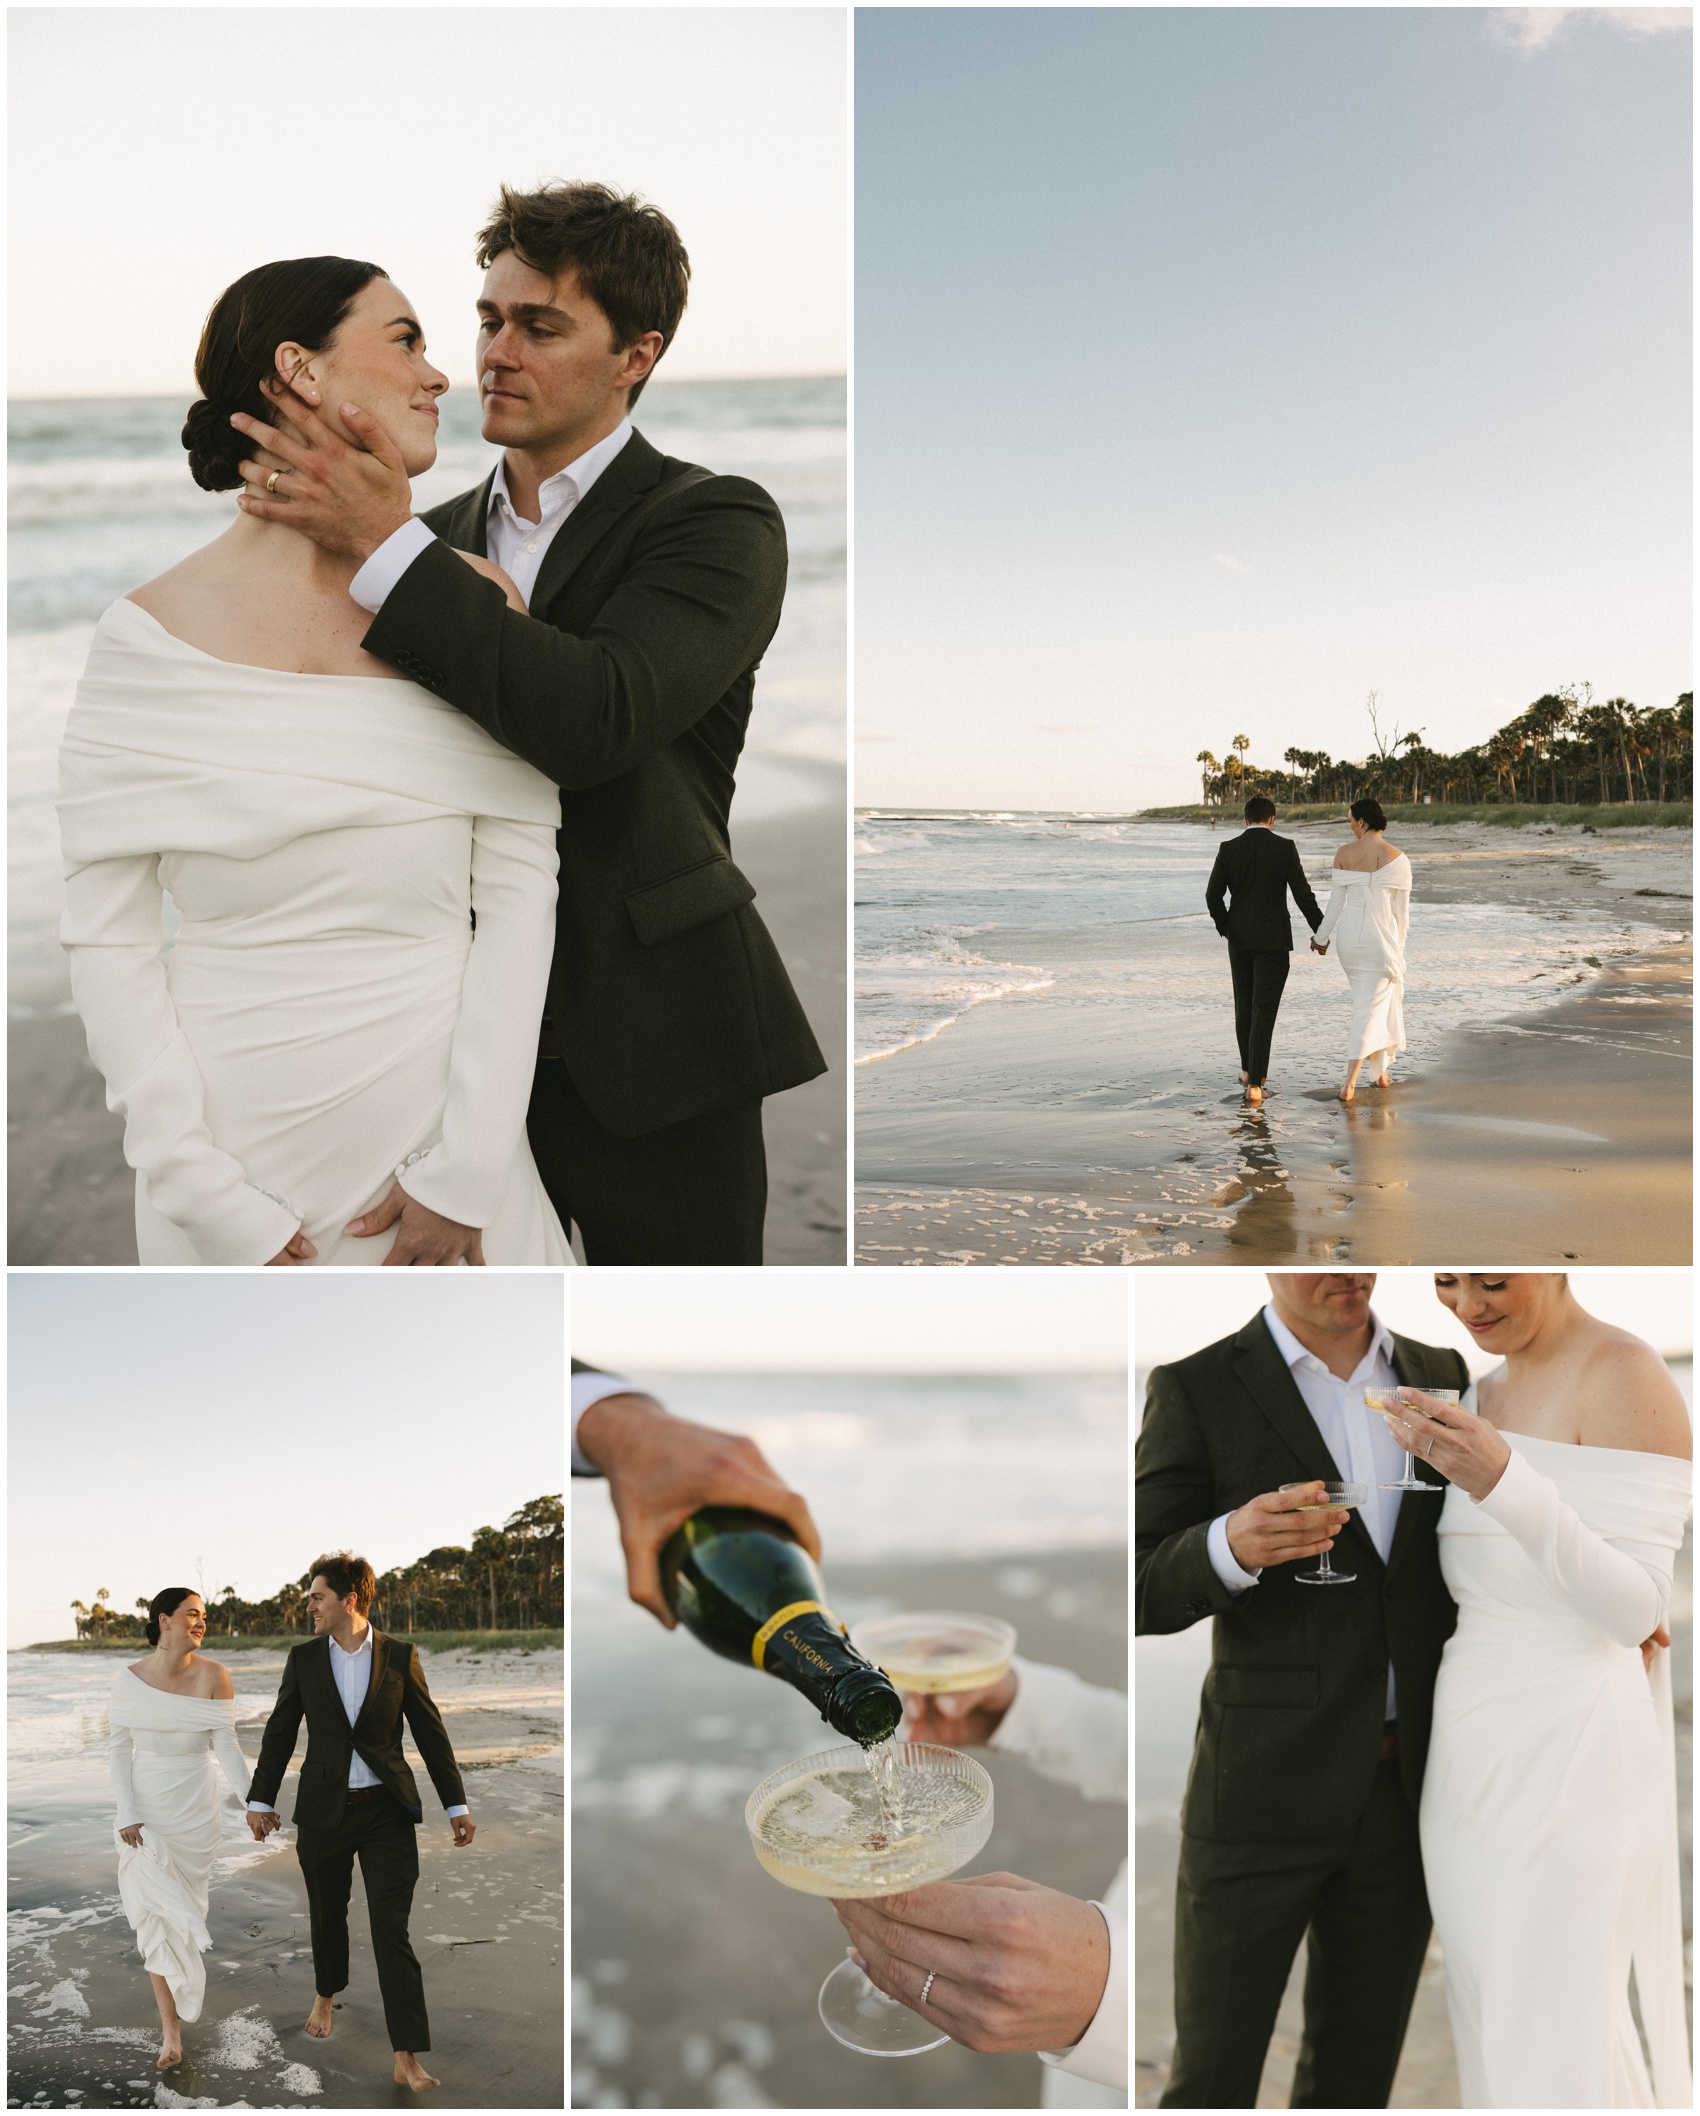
<point>107,396</point>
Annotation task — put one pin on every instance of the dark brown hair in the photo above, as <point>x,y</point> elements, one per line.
<point>627,255</point>
<point>345,1574</point>
<point>166,1603</point>
<point>302,298</point>
<point>1260,809</point>
<point>1371,813</point>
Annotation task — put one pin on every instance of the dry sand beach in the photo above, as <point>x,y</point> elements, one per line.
<point>1076,1124</point>
<point>486,1920</point>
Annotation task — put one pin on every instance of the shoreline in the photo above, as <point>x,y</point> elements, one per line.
<point>1033,1134</point>
<point>487,1925</point>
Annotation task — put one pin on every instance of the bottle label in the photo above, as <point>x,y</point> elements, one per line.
<point>759,1645</point>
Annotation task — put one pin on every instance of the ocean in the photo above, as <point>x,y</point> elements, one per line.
<point>99,500</point>
<point>955,911</point>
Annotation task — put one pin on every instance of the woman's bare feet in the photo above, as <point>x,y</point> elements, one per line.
<point>319,2020</point>
<point>1347,1093</point>
<point>170,2027</point>
<point>409,2072</point>
<point>170,2048</point>
<point>1383,1080</point>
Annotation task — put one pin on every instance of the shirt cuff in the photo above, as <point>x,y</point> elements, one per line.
<point>1101,2053</point>
<point>372,584</point>
<point>451,1812</point>
<point>262,1807</point>
<point>589,1389</point>
<point>1223,1563</point>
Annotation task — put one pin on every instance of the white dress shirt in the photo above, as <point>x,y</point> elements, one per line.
<point>1364,1451</point>
<point>519,547</point>
<point>589,1389</point>
<point>353,1675</point>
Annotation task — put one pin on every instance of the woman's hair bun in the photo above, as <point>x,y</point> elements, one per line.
<point>300,299</point>
<point>169,1599</point>
<point>1370,813</point>
<point>215,447</point>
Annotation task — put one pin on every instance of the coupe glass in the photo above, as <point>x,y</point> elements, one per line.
<point>1387,1402</point>
<point>1336,1497</point>
<point>934,1650</point>
<point>852,2009</point>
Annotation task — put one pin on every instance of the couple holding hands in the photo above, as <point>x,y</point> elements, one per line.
<point>1475,1727</point>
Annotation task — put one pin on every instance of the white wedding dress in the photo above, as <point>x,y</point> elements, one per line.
<point>328,1017</point>
<point>1549,1823</point>
<point>1367,918</point>
<point>160,1752</point>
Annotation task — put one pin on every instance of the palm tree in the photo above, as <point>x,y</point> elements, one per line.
<point>1211,768</point>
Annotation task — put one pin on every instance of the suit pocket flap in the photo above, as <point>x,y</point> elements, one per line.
<point>1266,1686</point>
<point>682,901</point>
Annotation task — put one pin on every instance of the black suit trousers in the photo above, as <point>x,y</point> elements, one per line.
<point>690,1193</point>
<point>1260,977</point>
<point>1241,1910</point>
<point>380,1834</point>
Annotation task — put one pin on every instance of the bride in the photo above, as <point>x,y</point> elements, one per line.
<point>1549,1821</point>
<point>169,1716</point>
<point>1369,905</point>
<point>334,1062</point>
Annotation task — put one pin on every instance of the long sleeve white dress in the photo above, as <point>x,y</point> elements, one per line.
<point>160,1752</point>
<point>365,884</point>
<point>1076,1732</point>
<point>1367,918</point>
<point>1549,1821</point>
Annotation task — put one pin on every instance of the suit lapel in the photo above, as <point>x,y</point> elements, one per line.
<point>374,1681</point>
<point>1269,1381</point>
<point>633,472</point>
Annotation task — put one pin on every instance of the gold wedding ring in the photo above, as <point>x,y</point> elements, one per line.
<point>271,482</point>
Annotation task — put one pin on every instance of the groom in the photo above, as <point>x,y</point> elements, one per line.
<point>653,589</point>
<point>1247,897</point>
<point>1301,1806</point>
<point>357,1798</point>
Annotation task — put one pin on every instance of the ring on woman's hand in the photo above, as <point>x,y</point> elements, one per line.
<point>928,1985</point>
<point>271,482</point>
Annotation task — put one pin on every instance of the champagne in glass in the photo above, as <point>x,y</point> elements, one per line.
<point>1387,1402</point>
<point>820,1826</point>
<point>1337,1498</point>
<point>932,1651</point>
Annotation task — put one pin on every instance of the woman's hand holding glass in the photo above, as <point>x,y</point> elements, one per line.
<point>1466,1450</point>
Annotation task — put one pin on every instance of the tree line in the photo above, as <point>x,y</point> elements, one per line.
<point>510,1578</point>
<point>1565,749</point>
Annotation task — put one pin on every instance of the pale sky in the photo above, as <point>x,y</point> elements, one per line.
<point>174,1428</point>
<point>852,1322</point>
<point>1217,366</point>
<point>159,153</point>
<point>1179,1312</point>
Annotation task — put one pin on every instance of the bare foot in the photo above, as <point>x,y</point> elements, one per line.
<point>1384,1080</point>
<point>409,2072</point>
<point>1245,1080</point>
<point>319,2020</point>
<point>1254,1095</point>
<point>170,2049</point>
<point>1346,1094</point>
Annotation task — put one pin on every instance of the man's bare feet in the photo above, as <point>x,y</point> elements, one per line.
<point>1254,1095</point>
<point>170,2049</point>
<point>1245,1080</point>
<point>319,2020</point>
<point>409,2072</point>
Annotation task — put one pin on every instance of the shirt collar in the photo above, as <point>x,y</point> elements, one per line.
<point>365,1646</point>
<point>1381,1345</point>
<point>580,474</point>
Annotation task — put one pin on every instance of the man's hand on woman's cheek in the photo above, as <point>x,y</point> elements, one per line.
<point>1014,1966</point>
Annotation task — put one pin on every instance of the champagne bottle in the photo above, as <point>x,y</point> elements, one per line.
<point>740,1582</point>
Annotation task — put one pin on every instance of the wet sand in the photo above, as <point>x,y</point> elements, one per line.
<point>71,1194</point>
<point>1168,1684</point>
<point>486,1926</point>
<point>694,1974</point>
<point>1056,1127</point>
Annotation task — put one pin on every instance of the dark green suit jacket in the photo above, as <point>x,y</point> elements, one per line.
<point>630,685</point>
<point>1291,1717</point>
<point>396,1693</point>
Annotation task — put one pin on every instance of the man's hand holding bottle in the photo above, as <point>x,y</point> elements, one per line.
<point>661,1470</point>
